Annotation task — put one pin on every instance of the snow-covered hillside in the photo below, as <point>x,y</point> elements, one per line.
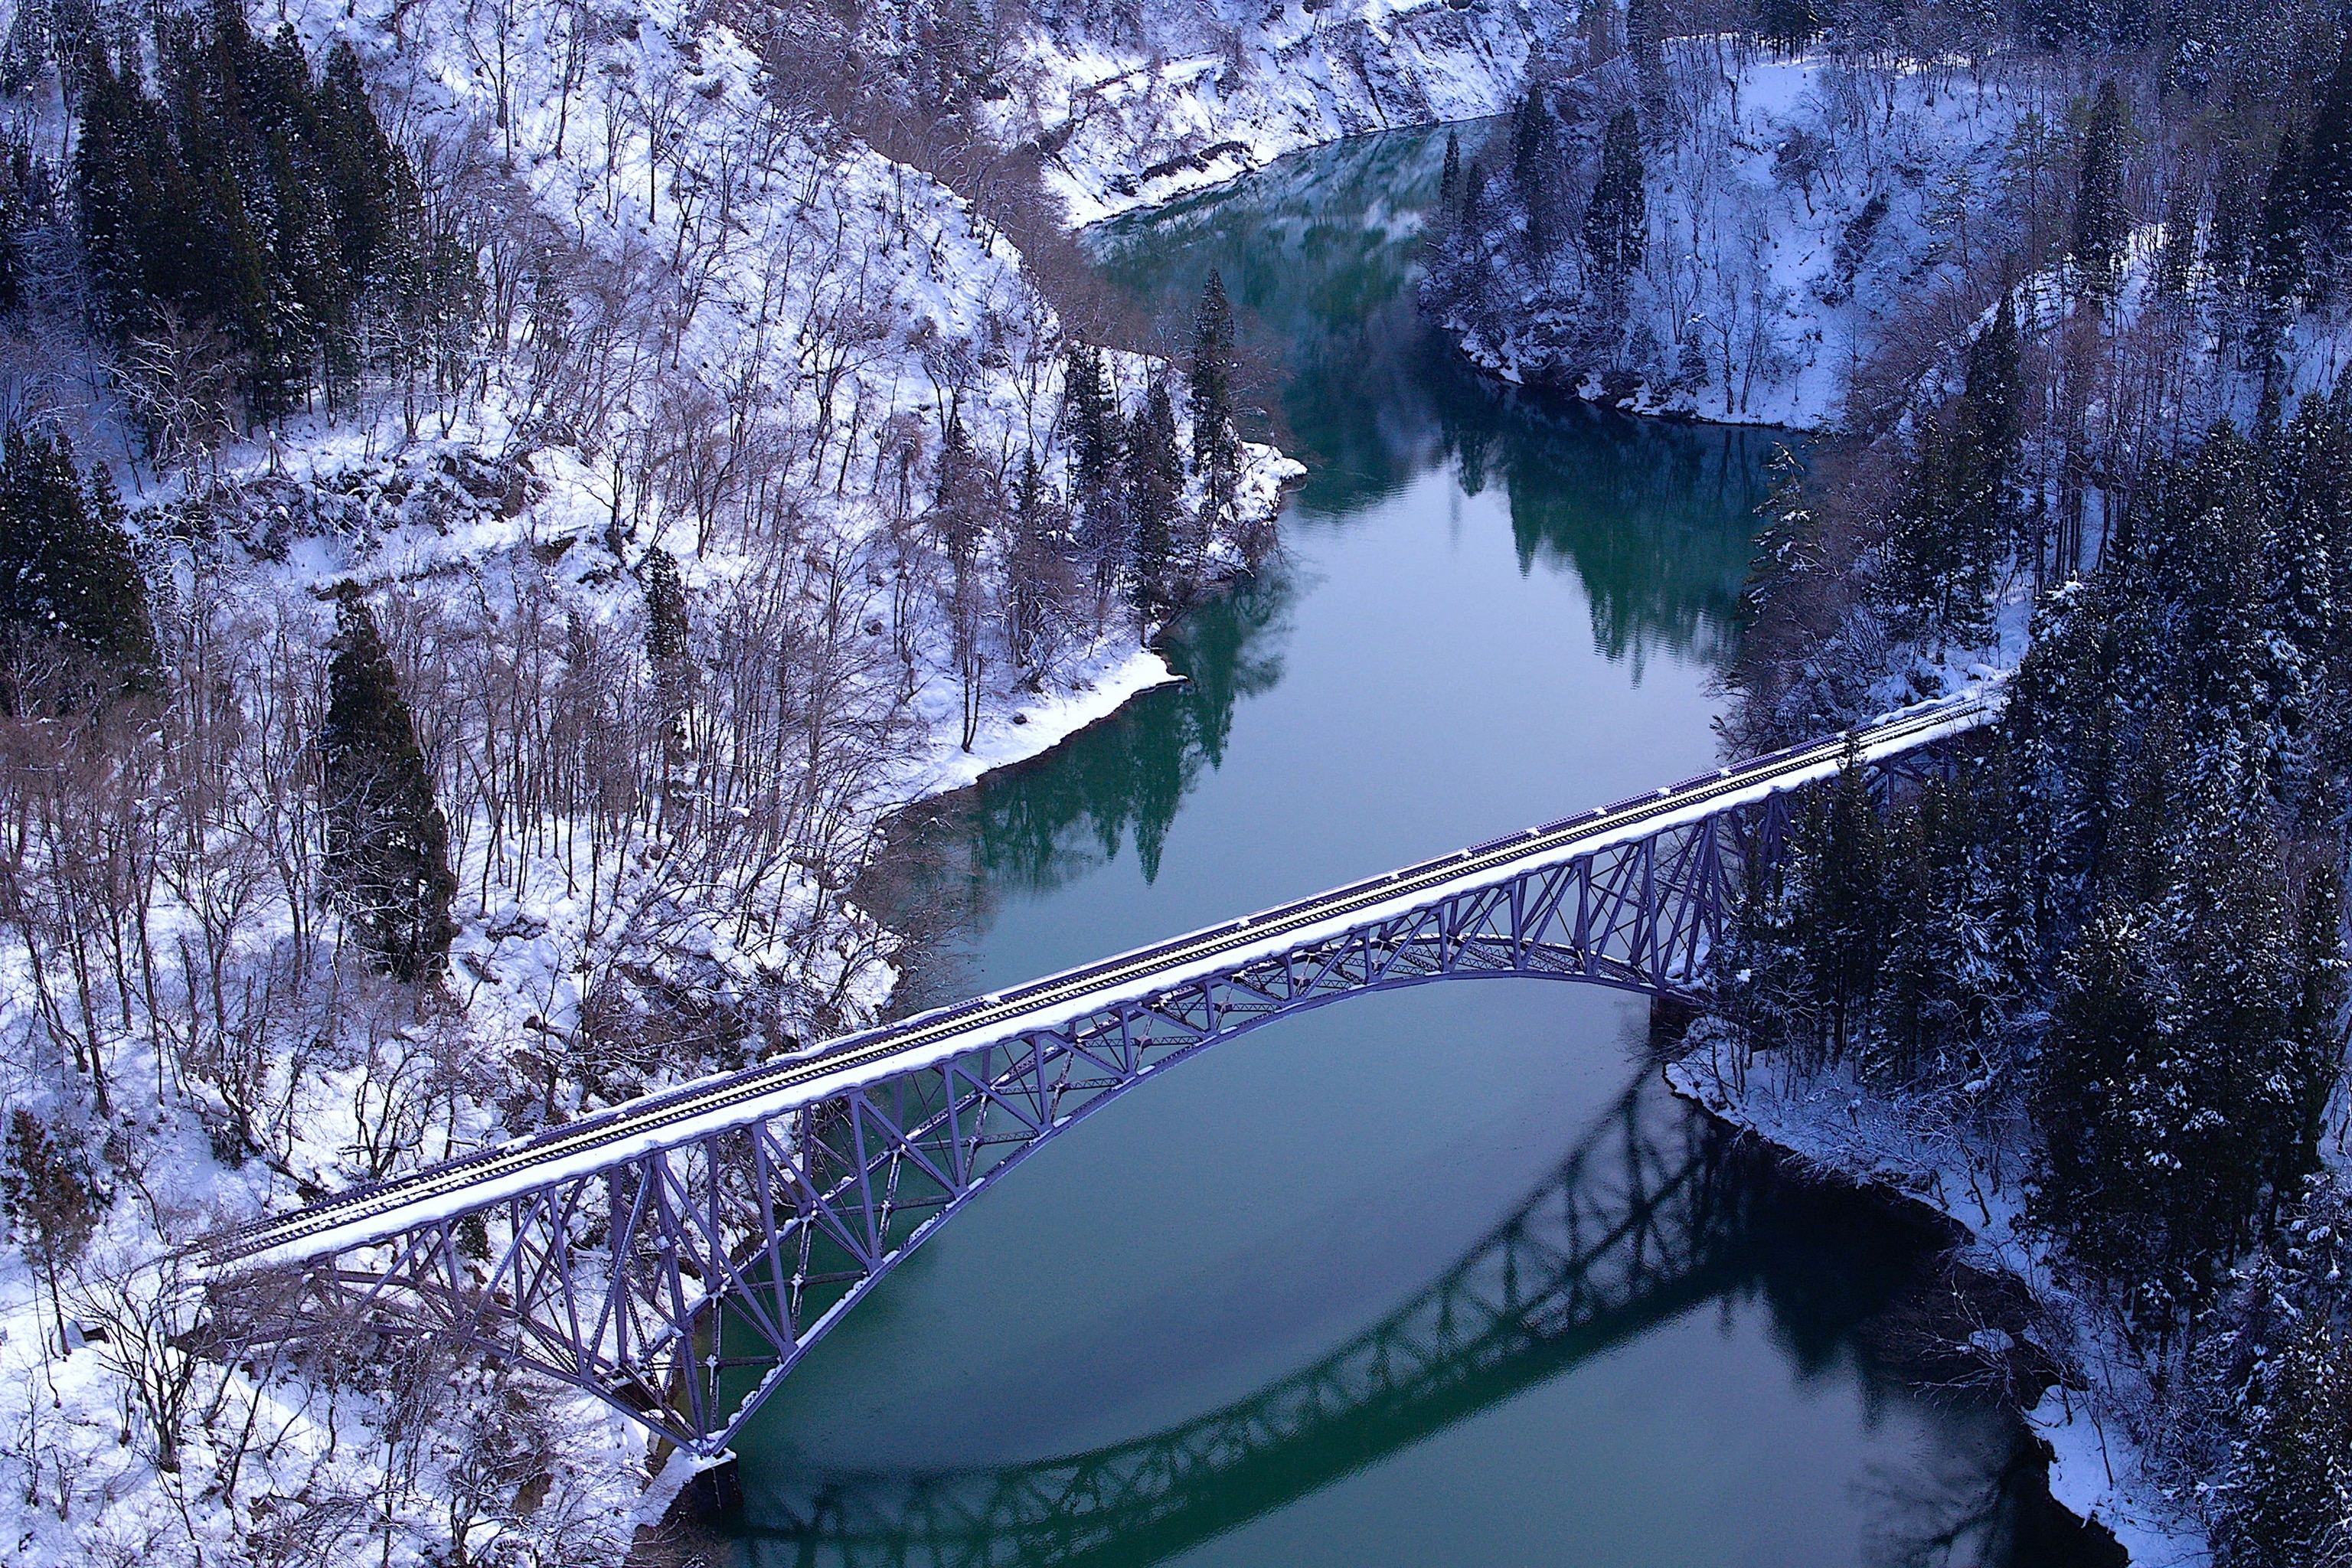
<point>713,333</point>
<point>1796,211</point>
<point>1137,120</point>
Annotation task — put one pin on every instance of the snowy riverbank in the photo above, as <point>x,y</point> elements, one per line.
<point>1974,1176</point>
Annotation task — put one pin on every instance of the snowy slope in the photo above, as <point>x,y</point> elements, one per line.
<point>1765,279</point>
<point>1136,124</point>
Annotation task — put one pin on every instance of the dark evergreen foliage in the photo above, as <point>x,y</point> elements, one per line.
<point>2327,172</point>
<point>1615,222</point>
<point>2102,223</point>
<point>244,192</point>
<point>1154,479</point>
<point>2280,258</point>
<point>1216,443</point>
<point>387,842</point>
<point>66,571</point>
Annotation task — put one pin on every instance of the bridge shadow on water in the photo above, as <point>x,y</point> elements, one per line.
<point>1654,1212</point>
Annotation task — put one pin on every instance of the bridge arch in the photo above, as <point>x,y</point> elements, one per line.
<point>677,1257</point>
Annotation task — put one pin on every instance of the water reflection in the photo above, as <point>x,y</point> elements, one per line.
<point>1651,1212</point>
<point>1655,521</point>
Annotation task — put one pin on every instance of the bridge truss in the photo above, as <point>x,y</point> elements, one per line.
<point>678,1257</point>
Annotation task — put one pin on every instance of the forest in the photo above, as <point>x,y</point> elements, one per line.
<point>501,503</point>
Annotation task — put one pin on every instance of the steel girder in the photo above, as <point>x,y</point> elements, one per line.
<point>682,1285</point>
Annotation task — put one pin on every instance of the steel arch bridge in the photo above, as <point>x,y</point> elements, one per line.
<point>678,1256</point>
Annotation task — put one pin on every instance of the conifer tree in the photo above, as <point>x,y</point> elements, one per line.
<point>1216,443</point>
<point>65,565</point>
<point>2280,258</point>
<point>387,862</point>
<point>2293,1496</point>
<point>666,633</point>
<point>2327,172</point>
<point>2178,263</point>
<point>1616,221</point>
<point>1155,491</point>
<point>1536,166</point>
<point>2101,223</point>
<point>1450,175</point>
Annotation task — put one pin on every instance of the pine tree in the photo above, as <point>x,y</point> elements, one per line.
<point>2278,273</point>
<point>2327,172</point>
<point>1536,166</point>
<point>1616,221</point>
<point>1450,175</point>
<point>1788,26</point>
<point>2101,223</point>
<point>1995,385</point>
<point>1945,540</point>
<point>666,633</point>
<point>67,570</point>
<point>1216,443</point>
<point>2102,1034</point>
<point>1641,32</point>
<point>2291,1500</point>
<point>1155,491</point>
<point>2177,264</point>
<point>387,860</point>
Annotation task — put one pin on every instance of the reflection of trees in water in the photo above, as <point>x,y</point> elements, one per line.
<point>1321,253</point>
<point>1042,824</point>
<point>1657,519</point>
<point>1655,1211</point>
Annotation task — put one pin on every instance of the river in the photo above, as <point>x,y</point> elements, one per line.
<point>1238,1318</point>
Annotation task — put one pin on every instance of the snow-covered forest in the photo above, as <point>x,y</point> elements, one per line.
<point>2086,993</point>
<point>500,501</point>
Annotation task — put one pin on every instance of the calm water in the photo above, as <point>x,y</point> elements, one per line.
<point>1225,1321</point>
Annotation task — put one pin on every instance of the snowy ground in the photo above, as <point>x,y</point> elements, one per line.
<point>833,303</point>
<point>1137,124</point>
<point>1765,279</point>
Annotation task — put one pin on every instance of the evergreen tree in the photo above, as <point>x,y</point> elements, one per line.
<point>1945,540</point>
<point>2327,172</point>
<point>1216,443</point>
<point>1943,981</point>
<point>2177,264</point>
<point>244,195</point>
<point>1995,385</point>
<point>2293,1498</point>
<point>666,633</point>
<point>1450,176</point>
<point>1788,26</point>
<point>2089,1098</point>
<point>1616,221</point>
<point>2101,224</point>
<point>1155,491</point>
<point>387,861</point>
<point>67,570</point>
<point>1641,32</point>
<point>2278,272</point>
<point>1536,167</point>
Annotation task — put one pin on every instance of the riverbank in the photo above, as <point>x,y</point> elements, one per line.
<point>1973,1178</point>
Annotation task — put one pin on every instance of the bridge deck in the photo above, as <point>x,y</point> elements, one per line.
<point>682,1115</point>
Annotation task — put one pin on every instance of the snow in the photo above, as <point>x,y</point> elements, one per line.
<point>1740,312</point>
<point>1141,123</point>
<point>777,223</point>
<point>1942,1156</point>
